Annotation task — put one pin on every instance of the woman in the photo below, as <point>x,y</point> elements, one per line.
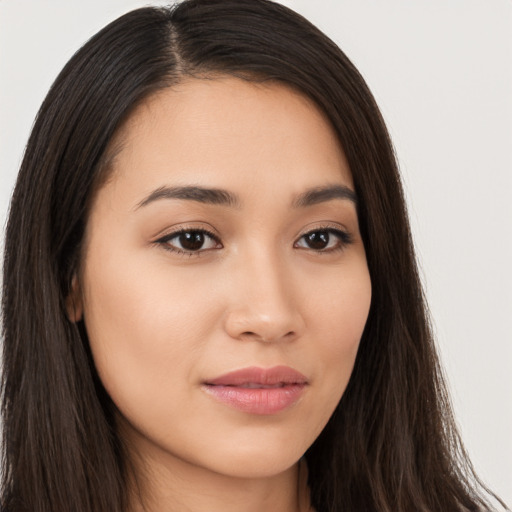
<point>210,287</point>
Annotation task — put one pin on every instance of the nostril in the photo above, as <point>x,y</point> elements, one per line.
<point>263,337</point>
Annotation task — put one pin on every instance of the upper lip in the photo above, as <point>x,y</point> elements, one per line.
<point>263,376</point>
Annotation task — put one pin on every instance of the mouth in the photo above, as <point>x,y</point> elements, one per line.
<point>255,390</point>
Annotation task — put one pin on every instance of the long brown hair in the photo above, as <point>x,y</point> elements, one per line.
<point>390,446</point>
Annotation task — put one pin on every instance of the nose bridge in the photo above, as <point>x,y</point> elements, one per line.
<point>264,306</point>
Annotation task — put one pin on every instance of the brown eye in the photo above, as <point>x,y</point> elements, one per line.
<point>190,241</point>
<point>317,240</point>
<point>324,240</point>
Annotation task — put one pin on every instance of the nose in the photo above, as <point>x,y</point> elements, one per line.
<point>265,304</point>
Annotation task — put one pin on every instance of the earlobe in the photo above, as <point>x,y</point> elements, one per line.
<point>74,303</point>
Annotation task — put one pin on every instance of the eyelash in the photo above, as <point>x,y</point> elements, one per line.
<point>344,240</point>
<point>164,241</point>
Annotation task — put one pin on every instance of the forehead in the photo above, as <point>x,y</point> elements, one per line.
<point>228,132</point>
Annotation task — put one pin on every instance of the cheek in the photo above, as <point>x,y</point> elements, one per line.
<point>144,336</point>
<point>338,316</point>
<point>339,311</point>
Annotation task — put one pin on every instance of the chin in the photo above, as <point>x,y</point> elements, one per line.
<point>255,459</point>
<point>255,467</point>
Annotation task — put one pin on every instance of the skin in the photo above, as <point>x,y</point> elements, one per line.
<point>161,322</point>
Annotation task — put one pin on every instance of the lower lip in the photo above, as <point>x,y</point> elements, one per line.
<point>257,400</point>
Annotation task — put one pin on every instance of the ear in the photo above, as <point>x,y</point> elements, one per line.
<point>74,302</point>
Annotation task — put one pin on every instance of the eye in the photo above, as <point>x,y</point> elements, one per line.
<point>324,240</point>
<point>190,241</point>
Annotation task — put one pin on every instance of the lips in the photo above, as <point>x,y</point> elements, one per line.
<point>258,390</point>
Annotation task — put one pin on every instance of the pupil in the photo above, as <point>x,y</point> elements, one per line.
<point>192,240</point>
<point>318,240</point>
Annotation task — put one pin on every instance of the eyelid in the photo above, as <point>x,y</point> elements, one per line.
<point>323,226</point>
<point>345,236</point>
<point>186,226</point>
<point>163,239</point>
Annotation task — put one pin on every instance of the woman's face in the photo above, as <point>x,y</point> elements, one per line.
<point>226,240</point>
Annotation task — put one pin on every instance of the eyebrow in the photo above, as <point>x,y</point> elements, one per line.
<point>223,197</point>
<point>324,194</point>
<point>193,193</point>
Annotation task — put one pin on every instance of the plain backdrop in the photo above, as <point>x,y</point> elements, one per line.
<point>441,71</point>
